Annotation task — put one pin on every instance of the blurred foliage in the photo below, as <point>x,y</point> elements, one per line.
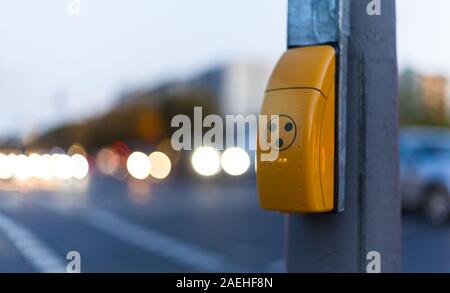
<point>141,118</point>
<point>415,109</point>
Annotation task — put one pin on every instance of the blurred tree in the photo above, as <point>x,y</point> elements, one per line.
<point>142,118</point>
<point>422,100</point>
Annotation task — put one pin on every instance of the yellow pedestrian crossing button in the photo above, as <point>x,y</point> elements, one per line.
<point>300,99</point>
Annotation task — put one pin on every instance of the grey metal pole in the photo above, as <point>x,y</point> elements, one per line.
<point>371,219</point>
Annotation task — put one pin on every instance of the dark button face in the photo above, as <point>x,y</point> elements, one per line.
<point>281,132</point>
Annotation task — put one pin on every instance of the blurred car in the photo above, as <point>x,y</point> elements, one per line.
<point>425,171</point>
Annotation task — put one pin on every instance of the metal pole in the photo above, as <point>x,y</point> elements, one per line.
<point>371,219</point>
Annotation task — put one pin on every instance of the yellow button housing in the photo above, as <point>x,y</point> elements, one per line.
<point>300,99</point>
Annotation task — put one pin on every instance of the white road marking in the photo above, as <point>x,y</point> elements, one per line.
<point>153,241</point>
<point>33,249</point>
<point>156,242</point>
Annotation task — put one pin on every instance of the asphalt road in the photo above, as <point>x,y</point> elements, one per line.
<point>167,227</point>
<point>171,227</point>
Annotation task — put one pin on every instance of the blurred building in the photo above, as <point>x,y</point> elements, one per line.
<point>424,98</point>
<point>235,88</point>
<point>447,99</point>
<point>239,87</point>
<point>435,93</point>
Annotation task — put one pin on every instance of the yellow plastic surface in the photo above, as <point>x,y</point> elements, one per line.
<point>300,93</point>
<point>309,67</point>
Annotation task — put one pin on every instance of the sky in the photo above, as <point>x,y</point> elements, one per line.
<point>56,67</point>
<point>423,35</point>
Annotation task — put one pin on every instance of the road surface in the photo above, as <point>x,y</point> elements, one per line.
<point>169,227</point>
<point>175,226</point>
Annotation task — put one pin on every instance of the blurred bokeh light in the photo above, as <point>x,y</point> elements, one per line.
<point>206,161</point>
<point>235,161</point>
<point>139,165</point>
<point>160,165</point>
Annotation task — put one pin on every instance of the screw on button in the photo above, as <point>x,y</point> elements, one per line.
<point>280,143</point>
<point>288,126</point>
<point>272,127</point>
